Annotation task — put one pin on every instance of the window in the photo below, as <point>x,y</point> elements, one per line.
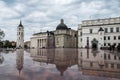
<point>105,56</point>
<point>91,64</point>
<point>109,56</point>
<point>112,65</point>
<point>114,44</point>
<point>87,38</point>
<point>104,37</point>
<point>81,40</point>
<point>67,38</point>
<point>106,30</point>
<point>108,44</point>
<point>106,65</point>
<point>57,40</point>
<point>75,35</point>
<point>118,37</point>
<point>111,29</point>
<point>80,33</point>
<point>118,43</point>
<point>19,33</point>
<point>108,37</point>
<point>90,30</point>
<point>104,44</point>
<point>114,37</point>
<point>114,57</point>
<point>19,28</point>
<point>118,66</point>
<point>81,53</point>
<point>117,29</point>
<point>87,41</point>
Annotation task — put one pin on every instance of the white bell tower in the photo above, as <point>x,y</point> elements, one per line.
<point>20,36</point>
<point>101,37</point>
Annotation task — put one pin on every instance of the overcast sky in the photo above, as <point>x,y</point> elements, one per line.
<point>43,15</point>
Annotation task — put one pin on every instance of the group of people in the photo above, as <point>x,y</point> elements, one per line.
<point>113,47</point>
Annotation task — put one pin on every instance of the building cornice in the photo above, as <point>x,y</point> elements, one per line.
<point>101,24</point>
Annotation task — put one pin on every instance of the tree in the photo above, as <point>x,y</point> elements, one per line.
<point>2,35</point>
<point>7,44</point>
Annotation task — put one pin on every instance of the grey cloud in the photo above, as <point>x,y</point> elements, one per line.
<point>44,15</point>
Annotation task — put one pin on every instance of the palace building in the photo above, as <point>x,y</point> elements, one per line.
<point>99,33</point>
<point>62,37</point>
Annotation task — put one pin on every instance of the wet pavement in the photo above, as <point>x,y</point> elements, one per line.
<point>59,64</point>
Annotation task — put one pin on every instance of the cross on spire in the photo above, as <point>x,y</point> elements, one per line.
<point>20,22</point>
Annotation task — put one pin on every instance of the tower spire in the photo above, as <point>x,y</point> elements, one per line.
<point>20,22</point>
<point>20,25</point>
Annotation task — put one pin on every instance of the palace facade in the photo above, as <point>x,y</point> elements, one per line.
<point>99,33</point>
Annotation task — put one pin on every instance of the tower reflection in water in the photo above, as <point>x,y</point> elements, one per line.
<point>1,58</point>
<point>62,58</point>
<point>19,59</point>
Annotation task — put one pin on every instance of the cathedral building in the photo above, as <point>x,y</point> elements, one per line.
<point>20,36</point>
<point>42,40</point>
<point>62,37</point>
<point>65,37</point>
<point>99,33</point>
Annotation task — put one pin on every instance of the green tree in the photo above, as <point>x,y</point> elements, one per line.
<point>7,44</point>
<point>2,35</point>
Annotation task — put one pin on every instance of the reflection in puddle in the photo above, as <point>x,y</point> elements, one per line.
<point>60,57</point>
<point>100,63</point>
<point>60,64</point>
<point>19,59</point>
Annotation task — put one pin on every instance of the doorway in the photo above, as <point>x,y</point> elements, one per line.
<point>94,43</point>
